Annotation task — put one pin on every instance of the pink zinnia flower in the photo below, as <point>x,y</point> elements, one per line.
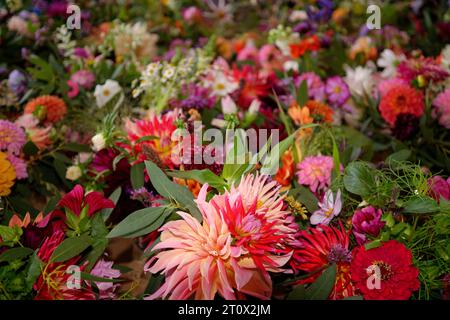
<point>74,90</point>
<point>442,108</point>
<point>385,85</point>
<point>12,137</point>
<point>315,172</point>
<point>426,67</point>
<point>329,208</point>
<point>20,166</point>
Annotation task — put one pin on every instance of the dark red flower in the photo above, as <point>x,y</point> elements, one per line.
<point>320,247</point>
<point>54,278</point>
<point>384,273</point>
<point>76,201</point>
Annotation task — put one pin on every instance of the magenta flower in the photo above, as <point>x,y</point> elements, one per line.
<point>315,172</point>
<point>20,166</point>
<point>83,78</point>
<point>337,91</point>
<point>12,137</point>
<point>74,90</point>
<point>442,108</point>
<point>329,208</point>
<point>365,222</point>
<point>439,188</point>
<point>316,88</point>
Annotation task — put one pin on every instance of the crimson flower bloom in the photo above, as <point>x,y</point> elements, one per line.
<point>397,277</point>
<point>76,201</point>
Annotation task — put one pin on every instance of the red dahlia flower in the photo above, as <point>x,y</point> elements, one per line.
<point>320,247</point>
<point>397,277</point>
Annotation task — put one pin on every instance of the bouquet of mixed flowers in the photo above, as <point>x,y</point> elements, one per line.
<point>217,149</point>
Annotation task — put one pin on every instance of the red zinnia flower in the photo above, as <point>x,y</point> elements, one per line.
<point>76,201</point>
<point>252,85</point>
<point>401,99</point>
<point>397,276</point>
<point>49,108</point>
<point>320,247</point>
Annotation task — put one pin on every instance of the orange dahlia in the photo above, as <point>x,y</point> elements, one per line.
<point>47,108</point>
<point>320,111</point>
<point>401,99</point>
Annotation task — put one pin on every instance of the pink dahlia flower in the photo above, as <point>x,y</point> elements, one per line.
<point>315,172</point>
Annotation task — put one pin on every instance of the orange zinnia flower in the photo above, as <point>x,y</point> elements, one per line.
<point>308,44</point>
<point>49,108</point>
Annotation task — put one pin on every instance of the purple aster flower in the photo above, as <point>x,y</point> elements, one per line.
<point>19,165</point>
<point>365,222</point>
<point>316,88</point>
<point>337,91</point>
<point>17,82</point>
<point>12,138</point>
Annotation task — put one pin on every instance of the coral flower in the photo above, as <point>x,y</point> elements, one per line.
<point>198,260</point>
<point>52,284</point>
<point>320,111</point>
<point>76,201</point>
<point>7,175</point>
<point>315,172</point>
<point>161,127</point>
<point>320,247</point>
<point>49,109</point>
<point>384,273</point>
<point>308,44</point>
<point>401,99</point>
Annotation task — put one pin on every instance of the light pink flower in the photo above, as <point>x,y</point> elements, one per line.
<point>315,172</point>
<point>442,108</point>
<point>329,208</point>
<point>103,269</point>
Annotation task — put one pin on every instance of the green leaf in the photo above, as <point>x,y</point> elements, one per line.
<point>146,138</point>
<point>34,270</point>
<point>70,248</point>
<point>421,205</point>
<point>399,156</point>
<point>30,149</point>
<point>136,221</point>
<point>298,293</point>
<point>15,254</point>
<point>91,277</point>
<point>115,196</point>
<point>373,244</point>
<point>137,176</point>
<point>152,227</point>
<point>359,179</point>
<point>302,94</point>
<point>171,190</point>
<point>202,176</point>
<point>305,197</point>
<point>321,288</point>
<point>76,147</point>
<point>51,204</point>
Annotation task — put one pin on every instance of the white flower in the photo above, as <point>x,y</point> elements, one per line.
<point>298,15</point>
<point>219,123</point>
<point>73,173</point>
<point>98,142</point>
<point>82,157</point>
<point>360,80</point>
<point>168,73</point>
<point>389,62</point>
<point>254,106</point>
<point>329,208</point>
<point>228,105</point>
<point>290,65</point>
<point>445,54</point>
<point>222,85</point>
<point>104,93</point>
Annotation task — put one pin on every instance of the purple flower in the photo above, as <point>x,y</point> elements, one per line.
<point>19,165</point>
<point>337,91</point>
<point>17,82</point>
<point>12,138</point>
<point>367,221</point>
<point>329,208</point>
<point>196,97</point>
<point>81,52</point>
<point>83,78</point>
<point>104,269</point>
